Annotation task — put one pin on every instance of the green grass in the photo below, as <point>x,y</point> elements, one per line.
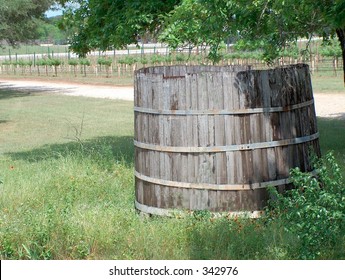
<point>66,164</point>
<point>37,49</point>
<point>31,120</point>
<point>332,138</point>
<point>327,82</point>
<point>33,49</point>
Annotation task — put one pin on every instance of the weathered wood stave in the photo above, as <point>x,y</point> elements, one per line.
<point>190,108</point>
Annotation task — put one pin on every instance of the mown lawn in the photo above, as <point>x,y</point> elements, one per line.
<point>67,191</point>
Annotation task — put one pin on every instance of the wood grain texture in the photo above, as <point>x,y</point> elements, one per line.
<point>187,117</point>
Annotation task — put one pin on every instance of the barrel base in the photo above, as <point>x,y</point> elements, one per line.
<point>182,213</point>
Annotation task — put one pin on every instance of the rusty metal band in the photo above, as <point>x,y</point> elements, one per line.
<point>230,148</point>
<point>180,213</point>
<point>215,187</point>
<point>223,112</point>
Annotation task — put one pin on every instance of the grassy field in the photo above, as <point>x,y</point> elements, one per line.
<point>33,49</point>
<point>327,82</point>
<point>67,191</point>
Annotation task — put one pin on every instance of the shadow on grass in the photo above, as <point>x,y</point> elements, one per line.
<point>11,91</point>
<point>104,150</point>
<point>7,93</point>
<point>332,134</point>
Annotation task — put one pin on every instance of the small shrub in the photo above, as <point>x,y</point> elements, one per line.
<point>6,62</point>
<point>105,61</point>
<point>168,59</point>
<point>180,57</point>
<point>330,49</point>
<point>128,60</point>
<point>156,59</point>
<point>84,61</point>
<point>41,62</point>
<point>22,63</point>
<point>55,62</point>
<point>144,61</point>
<point>315,210</point>
<point>73,62</point>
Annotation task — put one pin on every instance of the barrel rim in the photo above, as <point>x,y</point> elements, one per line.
<point>237,68</point>
<point>234,68</point>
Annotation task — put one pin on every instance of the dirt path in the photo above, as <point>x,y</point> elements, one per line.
<point>97,91</point>
<point>326,105</point>
<point>330,105</point>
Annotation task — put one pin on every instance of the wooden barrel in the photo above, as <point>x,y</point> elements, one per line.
<point>213,138</point>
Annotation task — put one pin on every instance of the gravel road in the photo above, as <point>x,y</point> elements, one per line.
<point>326,104</point>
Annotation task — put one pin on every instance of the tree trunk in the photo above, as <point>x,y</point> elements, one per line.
<point>341,37</point>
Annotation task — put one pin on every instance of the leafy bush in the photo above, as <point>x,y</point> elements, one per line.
<point>55,62</point>
<point>168,59</point>
<point>244,55</point>
<point>23,63</point>
<point>144,61</point>
<point>180,57</point>
<point>330,49</point>
<point>291,51</point>
<point>128,60</point>
<point>41,62</point>
<point>315,210</point>
<point>104,61</point>
<point>84,61</point>
<point>245,46</point>
<point>156,59</point>
<point>73,62</point>
<point>6,62</point>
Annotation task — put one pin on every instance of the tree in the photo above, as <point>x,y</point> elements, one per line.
<point>20,18</point>
<point>48,31</point>
<point>198,23</point>
<point>112,23</point>
<point>272,25</point>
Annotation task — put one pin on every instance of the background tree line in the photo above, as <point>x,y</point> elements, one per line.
<point>271,25</point>
<point>268,25</point>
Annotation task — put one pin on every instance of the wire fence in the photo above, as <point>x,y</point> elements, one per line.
<point>117,63</point>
